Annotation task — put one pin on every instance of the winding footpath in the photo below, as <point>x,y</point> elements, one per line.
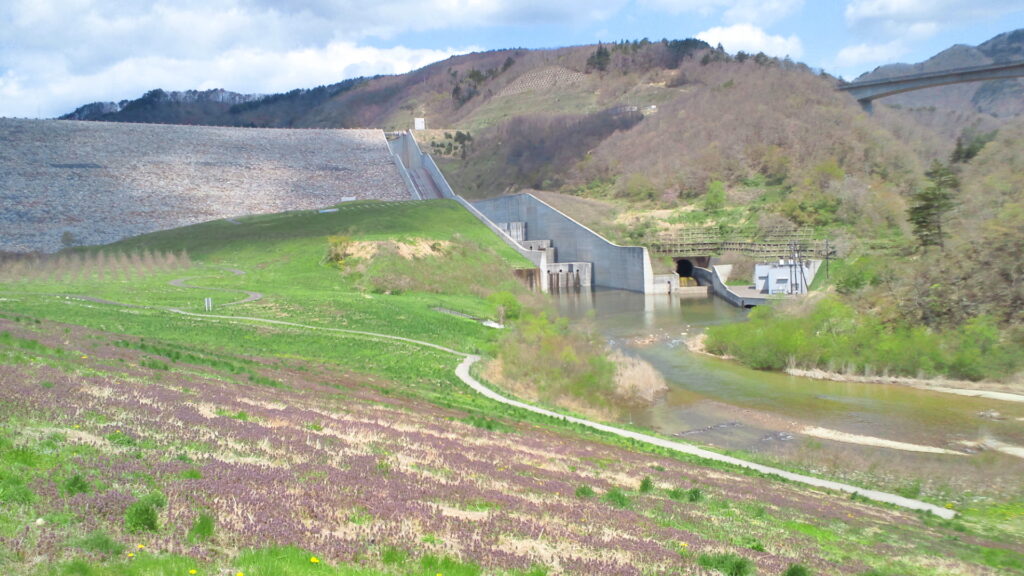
<point>463,372</point>
<point>250,295</point>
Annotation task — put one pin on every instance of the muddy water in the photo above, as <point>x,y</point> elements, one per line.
<point>722,404</point>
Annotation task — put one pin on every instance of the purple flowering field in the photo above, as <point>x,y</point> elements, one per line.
<point>346,466</point>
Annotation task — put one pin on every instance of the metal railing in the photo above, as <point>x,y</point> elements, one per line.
<point>780,243</point>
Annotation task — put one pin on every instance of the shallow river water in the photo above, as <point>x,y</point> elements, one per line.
<point>722,404</point>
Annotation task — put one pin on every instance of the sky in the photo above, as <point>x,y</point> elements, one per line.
<point>56,55</point>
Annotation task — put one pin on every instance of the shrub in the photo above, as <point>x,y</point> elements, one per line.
<point>797,570</point>
<point>13,489</point>
<point>23,455</point>
<point>694,495</point>
<point>584,491</point>
<point>646,485</point>
<point>192,474</point>
<point>910,489</point>
<point>202,529</point>
<point>141,517</point>
<point>77,567</point>
<point>506,304</point>
<point>337,251</point>
<point>575,363</point>
<point>76,485</point>
<point>119,438</point>
<point>143,514</point>
<point>100,543</point>
<point>752,543</point>
<point>487,424</point>
<point>616,498</point>
<point>448,566</point>
<point>714,199</point>
<point>728,563</point>
<point>392,555</point>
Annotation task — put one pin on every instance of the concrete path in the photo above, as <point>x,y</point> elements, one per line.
<point>463,373</point>
<point>250,295</point>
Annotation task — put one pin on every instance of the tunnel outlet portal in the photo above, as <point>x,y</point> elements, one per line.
<point>685,265</point>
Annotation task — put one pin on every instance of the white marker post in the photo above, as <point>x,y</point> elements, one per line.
<point>208,304</point>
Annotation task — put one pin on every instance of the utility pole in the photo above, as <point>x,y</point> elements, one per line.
<point>826,258</point>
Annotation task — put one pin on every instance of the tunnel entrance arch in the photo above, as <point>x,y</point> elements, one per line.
<point>686,264</point>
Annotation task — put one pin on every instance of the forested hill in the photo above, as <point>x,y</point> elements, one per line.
<point>662,118</point>
<point>448,93</point>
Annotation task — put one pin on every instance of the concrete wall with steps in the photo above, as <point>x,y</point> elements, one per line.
<point>613,266</point>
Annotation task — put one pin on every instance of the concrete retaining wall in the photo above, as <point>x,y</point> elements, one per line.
<point>665,284</point>
<point>408,151</point>
<point>707,277</point>
<point>587,258</point>
<point>621,267</point>
<point>694,292</point>
<point>400,154</point>
<point>439,178</point>
<point>714,279</point>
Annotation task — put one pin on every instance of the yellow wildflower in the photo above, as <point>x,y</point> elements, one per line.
<point>141,546</point>
<point>240,574</point>
<point>192,571</point>
<point>314,560</point>
<point>131,555</point>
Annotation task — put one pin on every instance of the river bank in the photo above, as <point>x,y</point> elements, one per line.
<point>990,390</point>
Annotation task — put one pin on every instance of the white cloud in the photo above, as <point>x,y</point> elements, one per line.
<point>922,18</point>
<point>57,54</point>
<point>759,12</point>
<point>242,70</point>
<point>749,38</point>
<point>702,7</point>
<point>870,54</point>
<point>866,10</point>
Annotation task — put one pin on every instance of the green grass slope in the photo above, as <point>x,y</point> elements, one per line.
<point>138,440</point>
<point>283,256</point>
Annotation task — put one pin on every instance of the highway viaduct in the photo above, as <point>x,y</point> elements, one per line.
<point>867,92</point>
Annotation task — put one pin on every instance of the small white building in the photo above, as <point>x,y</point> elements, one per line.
<point>419,123</point>
<point>786,276</point>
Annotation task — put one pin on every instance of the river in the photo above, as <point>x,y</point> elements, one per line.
<point>786,419</point>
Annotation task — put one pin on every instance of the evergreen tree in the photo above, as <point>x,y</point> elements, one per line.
<point>932,204</point>
<point>600,58</point>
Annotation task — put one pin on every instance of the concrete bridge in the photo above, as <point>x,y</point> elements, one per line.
<point>867,92</point>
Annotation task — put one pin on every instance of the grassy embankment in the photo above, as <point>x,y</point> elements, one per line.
<point>152,421</point>
<point>283,256</point>
<point>832,336</point>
